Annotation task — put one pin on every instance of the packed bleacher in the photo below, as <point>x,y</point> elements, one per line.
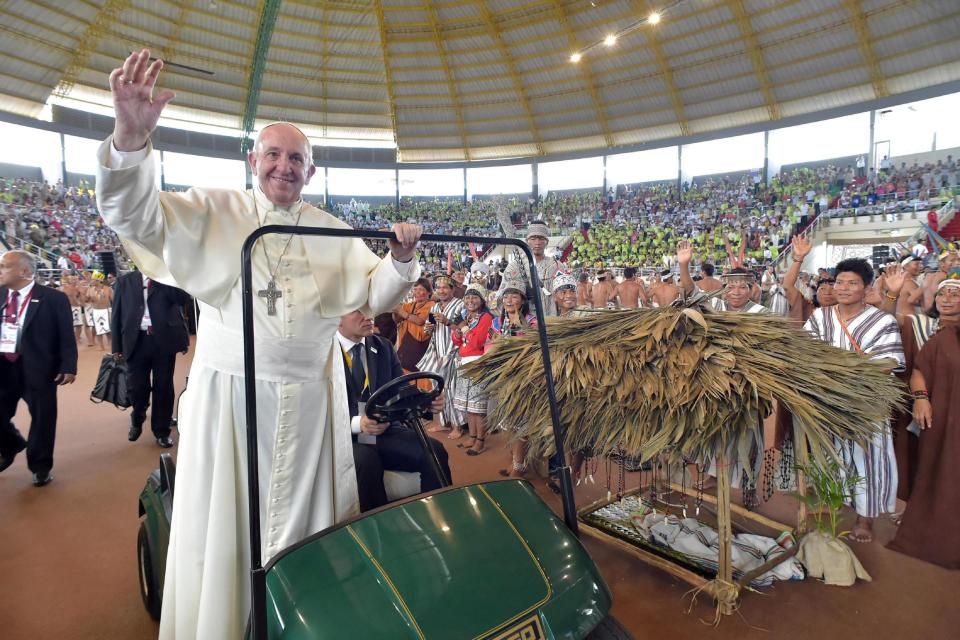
<point>631,225</point>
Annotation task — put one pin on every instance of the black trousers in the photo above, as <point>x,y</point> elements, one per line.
<point>151,370</point>
<point>42,402</point>
<point>397,449</point>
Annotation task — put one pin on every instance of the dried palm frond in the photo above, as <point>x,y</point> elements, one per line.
<point>686,381</point>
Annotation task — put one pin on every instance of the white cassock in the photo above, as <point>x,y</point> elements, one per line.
<point>192,241</point>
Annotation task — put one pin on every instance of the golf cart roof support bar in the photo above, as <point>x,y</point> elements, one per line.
<point>257,573</point>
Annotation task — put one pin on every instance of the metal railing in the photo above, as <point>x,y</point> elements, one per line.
<point>17,242</point>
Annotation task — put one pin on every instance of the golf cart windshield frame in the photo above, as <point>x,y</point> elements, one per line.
<point>258,625</point>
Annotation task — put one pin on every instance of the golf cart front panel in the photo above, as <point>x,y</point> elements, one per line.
<point>470,562</point>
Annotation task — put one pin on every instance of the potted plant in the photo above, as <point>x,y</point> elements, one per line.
<point>822,551</point>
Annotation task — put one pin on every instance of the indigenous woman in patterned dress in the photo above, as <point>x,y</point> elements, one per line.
<point>514,320</point>
<point>470,335</point>
<point>442,354</point>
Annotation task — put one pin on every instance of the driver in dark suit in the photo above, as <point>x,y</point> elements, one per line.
<point>370,362</point>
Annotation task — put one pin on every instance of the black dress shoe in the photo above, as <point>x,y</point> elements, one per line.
<point>134,433</point>
<point>166,442</point>
<point>41,479</point>
<point>6,461</point>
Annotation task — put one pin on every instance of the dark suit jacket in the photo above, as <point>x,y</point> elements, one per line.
<point>166,315</point>
<point>383,365</point>
<point>48,346</point>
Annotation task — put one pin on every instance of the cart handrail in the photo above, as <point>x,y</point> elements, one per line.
<point>258,582</point>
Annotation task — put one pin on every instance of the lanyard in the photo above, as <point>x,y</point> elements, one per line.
<point>19,314</point>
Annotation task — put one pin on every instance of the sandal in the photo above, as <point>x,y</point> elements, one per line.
<point>464,445</point>
<point>476,452</point>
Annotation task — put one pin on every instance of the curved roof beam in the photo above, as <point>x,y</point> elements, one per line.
<point>269,9</point>
<point>101,25</point>
<point>753,49</point>
<point>585,74</point>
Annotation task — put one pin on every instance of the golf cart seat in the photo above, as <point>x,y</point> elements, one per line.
<point>401,484</point>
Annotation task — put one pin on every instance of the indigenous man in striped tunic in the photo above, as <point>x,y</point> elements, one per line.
<point>442,355</point>
<point>856,326</point>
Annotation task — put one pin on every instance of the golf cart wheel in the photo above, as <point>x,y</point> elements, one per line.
<point>609,629</point>
<point>148,584</point>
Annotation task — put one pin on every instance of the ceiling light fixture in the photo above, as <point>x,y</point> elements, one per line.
<point>654,18</point>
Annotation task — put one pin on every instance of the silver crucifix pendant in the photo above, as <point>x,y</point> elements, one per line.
<point>271,293</point>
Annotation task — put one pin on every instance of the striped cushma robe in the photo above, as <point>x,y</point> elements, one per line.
<point>443,357</point>
<point>878,336</point>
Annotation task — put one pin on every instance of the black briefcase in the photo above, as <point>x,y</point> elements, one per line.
<point>111,385</point>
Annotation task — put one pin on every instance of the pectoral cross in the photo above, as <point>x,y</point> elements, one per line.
<point>271,293</point>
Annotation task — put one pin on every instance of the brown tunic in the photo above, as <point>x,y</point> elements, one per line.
<point>905,443</point>
<point>931,523</point>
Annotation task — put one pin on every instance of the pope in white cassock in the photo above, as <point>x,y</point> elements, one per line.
<point>192,241</point>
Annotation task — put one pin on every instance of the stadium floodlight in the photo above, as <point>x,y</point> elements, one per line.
<point>654,18</point>
<point>610,40</point>
<point>575,58</point>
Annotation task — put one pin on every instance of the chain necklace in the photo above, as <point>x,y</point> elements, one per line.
<point>272,293</point>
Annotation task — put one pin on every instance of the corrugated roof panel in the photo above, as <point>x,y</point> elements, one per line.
<point>486,140</point>
<point>796,49</point>
<point>744,101</point>
<point>937,32</point>
<point>705,93</point>
<point>726,120</point>
<point>786,27</point>
<point>693,76</point>
<point>419,76</point>
<point>503,151</point>
<point>946,72</point>
<point>455,12</point>
<point>506,108</point>
<point>465,75</point>
<point>581,100</point>
<point>18,104</point>
<point>429,143</point>
<point>828,99</point>
<point>455,42</point>
<point>639,105</point>
<point>912,14</point>
<point>569,145</point>
<point>648,134</point>
<point>565,119</point>
<point>824,83</point>
<point>433,129</point>
<point>636,94</point>
<point>717,54</point>
<point>920,59</point>
<point>816,66</point>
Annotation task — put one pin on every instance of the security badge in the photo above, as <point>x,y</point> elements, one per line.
<point>9,336</point>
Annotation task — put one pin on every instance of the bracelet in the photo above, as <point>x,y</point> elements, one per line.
<point>890,297</point>
<point>922,394</point>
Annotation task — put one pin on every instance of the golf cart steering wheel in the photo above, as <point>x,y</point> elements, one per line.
<point>398,398</point>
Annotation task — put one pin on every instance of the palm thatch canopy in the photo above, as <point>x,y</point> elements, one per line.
<point>684,381</point>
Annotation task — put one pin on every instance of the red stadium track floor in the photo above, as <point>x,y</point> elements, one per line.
<point>68,553</point>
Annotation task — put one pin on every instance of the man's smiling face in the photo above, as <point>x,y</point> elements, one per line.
<point>282,162</point>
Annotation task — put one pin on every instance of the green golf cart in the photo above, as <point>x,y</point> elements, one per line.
<point>482,561</point>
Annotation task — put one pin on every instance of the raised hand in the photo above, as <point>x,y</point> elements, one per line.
<point>893,277</point>
<point>684,252</point>
<point>137,111</point>
<point>801,248</point>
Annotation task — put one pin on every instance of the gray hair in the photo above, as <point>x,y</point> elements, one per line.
<point>26,259</point>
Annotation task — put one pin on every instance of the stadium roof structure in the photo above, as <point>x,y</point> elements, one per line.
<point>456,80</point>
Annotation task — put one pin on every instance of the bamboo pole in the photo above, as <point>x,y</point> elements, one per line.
<point>802,455</point>
<point>725,568</point>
